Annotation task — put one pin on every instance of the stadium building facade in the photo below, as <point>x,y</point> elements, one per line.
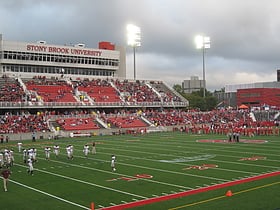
<point>259,97</point>
<point>40,58</point>
<point>252,94</point>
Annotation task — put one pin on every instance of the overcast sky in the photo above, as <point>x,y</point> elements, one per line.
<point>245,34</point>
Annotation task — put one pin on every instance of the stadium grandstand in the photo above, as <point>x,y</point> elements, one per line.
<point>54,91</point>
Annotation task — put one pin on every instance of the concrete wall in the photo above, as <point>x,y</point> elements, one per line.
<point>62,134</point>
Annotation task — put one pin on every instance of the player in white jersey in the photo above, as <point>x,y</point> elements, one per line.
<point>24,153</point>
<point>47,153</point>
<point>19,146</point>
<point>34,154</point>
<point>86,150</point>
<point>30,154</point>
<point>72,151</point>
<point>30,165</point>
<point>69,151</point>
<point>56,150</point>
<point>6,153</point>
<point>11,153</point>
<point>1,160</point>
<point>113,163</point>
<point>7,158</point>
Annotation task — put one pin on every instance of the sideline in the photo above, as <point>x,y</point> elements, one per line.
<point>190,192</point>
<point>217,198</point>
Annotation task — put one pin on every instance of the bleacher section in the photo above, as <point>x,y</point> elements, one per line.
<point>136,91</point>
<point>126,122</point>
<point>10,90</point>
<point>51,90</point>
<point>167,95</point>
<point>74,124</point>
<point>98,90</point>
<point>44,104</point>
<point>23,123</point>
<point>216,121</point>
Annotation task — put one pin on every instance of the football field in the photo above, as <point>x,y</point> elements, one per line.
<point>153,171</point>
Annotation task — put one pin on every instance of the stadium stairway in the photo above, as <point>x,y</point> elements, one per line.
<point>276,115</point>
<point>101,122</point>
<point>22,84</point>
<point>252,116</point>
<point>146,121</point>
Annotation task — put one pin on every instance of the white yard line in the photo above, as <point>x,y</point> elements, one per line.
<point>182,153</point>
<point>88,183</point>
<point>50,195</point>
<point>199,150</point>
<point>188,164</point>
<point>147,180</point>
<point>167,171</point>
<point>200,153</point>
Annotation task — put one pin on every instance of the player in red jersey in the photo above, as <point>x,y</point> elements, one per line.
<point>6,174</point>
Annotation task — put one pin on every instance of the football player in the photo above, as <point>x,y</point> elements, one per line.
<point>19,146</point>
<point>1,159</point>
<point>30,165</point>
<point>113,163</point>
<point>6,173</point>
<point>56,150</point>
<point>24,155</point>
<point>86,150</point>
<point>47,153</point>
<point>69,150</point>
<point>93,148</point>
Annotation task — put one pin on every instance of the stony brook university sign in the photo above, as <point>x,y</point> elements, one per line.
<point>62,50</point>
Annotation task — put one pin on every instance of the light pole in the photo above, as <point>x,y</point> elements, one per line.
<point>203,43</point>
<point>133,40</point>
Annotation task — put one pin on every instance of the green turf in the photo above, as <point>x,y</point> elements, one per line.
<point>73,184</point>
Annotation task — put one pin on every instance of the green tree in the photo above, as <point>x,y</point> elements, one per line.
<point>178,88</point>
<point>211,102</point>
<point>196,99</point>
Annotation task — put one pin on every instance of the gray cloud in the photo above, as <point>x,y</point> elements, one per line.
<point>244,34</point>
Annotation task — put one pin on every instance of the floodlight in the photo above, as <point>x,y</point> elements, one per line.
<point>203,42</point>
<point>133,40</point>
<point>199,42</point>
<point>133,35</point>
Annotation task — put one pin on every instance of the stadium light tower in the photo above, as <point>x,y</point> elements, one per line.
<point>203,43</point>
<point>133,40</point>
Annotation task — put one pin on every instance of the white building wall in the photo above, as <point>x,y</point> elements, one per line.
<point>43,49</point>
<point>234,88</point>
